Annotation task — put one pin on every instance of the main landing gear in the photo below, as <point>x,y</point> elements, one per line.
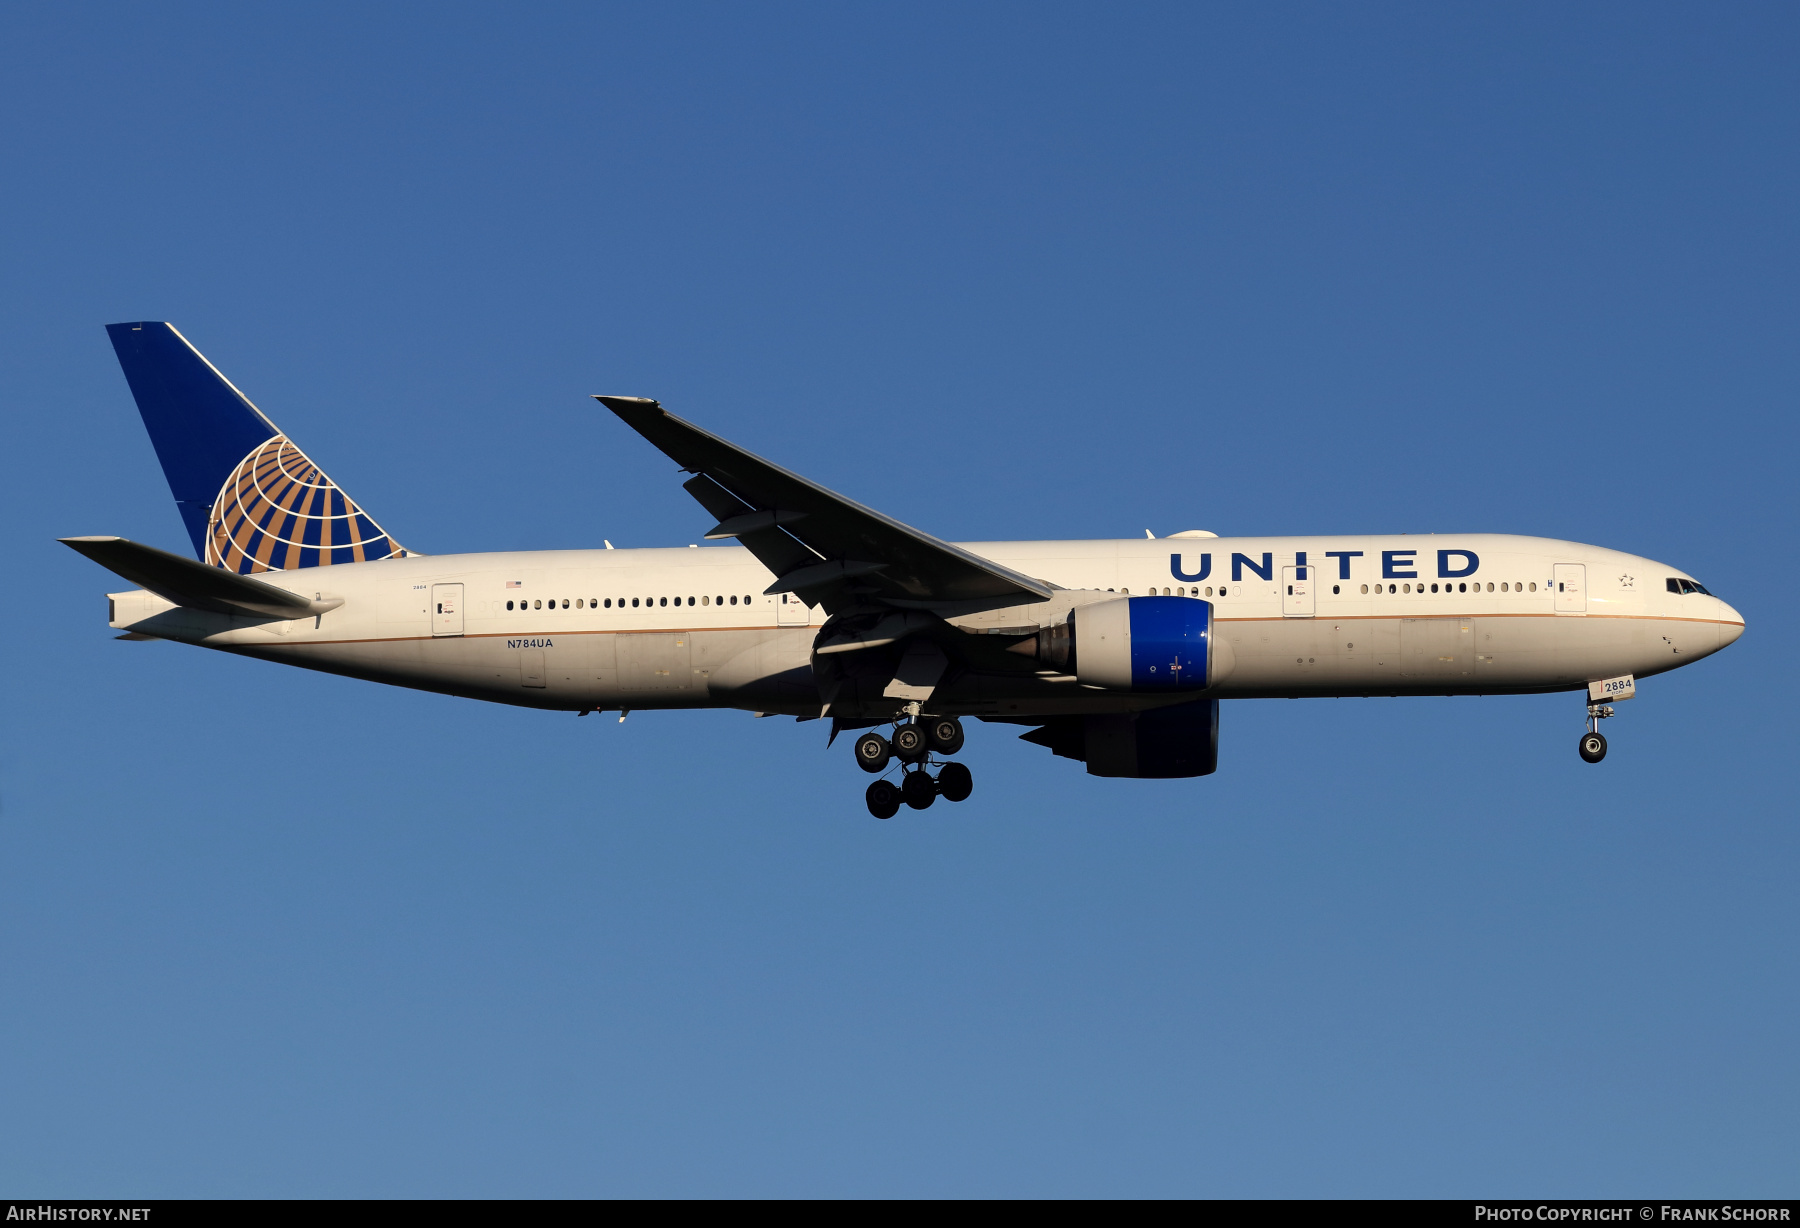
<point>1593,742</point>
<point>913,744</point>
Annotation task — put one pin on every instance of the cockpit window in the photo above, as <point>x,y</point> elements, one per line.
<point>1687,586</point>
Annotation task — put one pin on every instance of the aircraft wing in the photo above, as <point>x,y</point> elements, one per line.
<point>819,544</point>
<point>197,585</point>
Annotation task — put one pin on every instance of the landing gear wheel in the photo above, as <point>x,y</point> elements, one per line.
<point>883,799</point>
<point>918,790</point>
<point>945,733</point>
<point>873,752</point>
<point>1593,747</point>
<point>909,742</point>
<point>955,782</point>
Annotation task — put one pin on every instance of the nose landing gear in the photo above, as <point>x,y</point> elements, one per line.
<point>1593,742</point>
<point>913,744</point>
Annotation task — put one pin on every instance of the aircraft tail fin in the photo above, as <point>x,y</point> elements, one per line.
<point>251,500</point>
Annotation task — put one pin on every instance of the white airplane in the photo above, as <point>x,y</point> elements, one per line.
<point>1115,653</point>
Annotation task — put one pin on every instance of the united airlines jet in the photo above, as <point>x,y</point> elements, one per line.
<point>1112,653</point>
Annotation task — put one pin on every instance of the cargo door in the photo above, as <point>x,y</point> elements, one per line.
<point>1297,592</point>
<point>531,667</point>
<point>1571,588</point>
<point>1432,648</point>
<point>446,609</point>
<point>654,661</point>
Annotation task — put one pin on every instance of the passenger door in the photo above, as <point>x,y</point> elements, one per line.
<point>790,611</point>
<point>446,609</point>
<point>1571,588</point>
<point>1297,592</point>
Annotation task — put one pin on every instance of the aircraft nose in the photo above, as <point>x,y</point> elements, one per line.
<point>1730,630</point>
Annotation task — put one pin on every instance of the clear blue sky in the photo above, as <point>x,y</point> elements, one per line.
<point>1003,272</point>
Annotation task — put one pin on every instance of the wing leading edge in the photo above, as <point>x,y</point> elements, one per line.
<point>820,545</point>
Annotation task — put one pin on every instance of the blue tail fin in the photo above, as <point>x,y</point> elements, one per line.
<point>251,500</point>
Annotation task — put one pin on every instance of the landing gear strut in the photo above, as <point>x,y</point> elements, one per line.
<point>913,744</point>
<point>1593,742</point>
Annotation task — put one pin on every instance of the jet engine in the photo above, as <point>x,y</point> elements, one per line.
<point>1139,644</point>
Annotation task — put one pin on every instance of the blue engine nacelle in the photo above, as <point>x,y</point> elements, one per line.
<point>1144,644</point>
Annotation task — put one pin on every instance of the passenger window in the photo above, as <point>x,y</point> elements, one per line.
<point>1534,586</point>
<point>690,601</point>
<point>746,601</point>
<point>565,603</point>
<point>734,599</point>
<point>1365,590</point>
<point>509,605</point>
<point>634,603</point>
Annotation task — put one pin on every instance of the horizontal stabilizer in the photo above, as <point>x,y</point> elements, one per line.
<point>188,582</point>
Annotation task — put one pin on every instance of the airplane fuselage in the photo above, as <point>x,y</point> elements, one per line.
<point>685,628</point>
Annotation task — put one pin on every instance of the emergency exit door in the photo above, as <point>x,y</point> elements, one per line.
<point>446,609</point>
<point>1297,591</point>
<point>1571,588</point>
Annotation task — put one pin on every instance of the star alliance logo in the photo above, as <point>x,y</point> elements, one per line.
<point>1625,581</point>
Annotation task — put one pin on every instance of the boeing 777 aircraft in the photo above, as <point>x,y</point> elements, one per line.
<point>1113,653</point>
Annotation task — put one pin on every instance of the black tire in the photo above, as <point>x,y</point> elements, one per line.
<point>909,742</point>
<point>1593,747</point>
<point>883,799</point>
<point>955,782</point>
<point>918,790</point>
<point>873,752</point>
<point>945,733</point>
